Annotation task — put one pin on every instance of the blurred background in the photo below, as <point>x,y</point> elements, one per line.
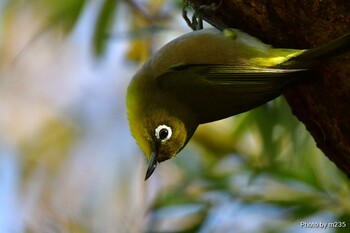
<point>69,164</point>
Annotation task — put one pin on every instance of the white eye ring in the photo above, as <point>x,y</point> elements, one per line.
<point>163,132</point>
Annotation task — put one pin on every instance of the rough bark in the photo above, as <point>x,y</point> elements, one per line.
<point>322,104</point>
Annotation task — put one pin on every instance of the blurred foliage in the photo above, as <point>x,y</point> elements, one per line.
<point>103,25</point>
<point>64,15</point>
<point>55,13</point>
<point>263,158</point>
<point>49,148</point>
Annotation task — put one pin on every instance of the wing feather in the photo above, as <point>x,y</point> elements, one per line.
<point>215,92</point>
<point>237,77</point>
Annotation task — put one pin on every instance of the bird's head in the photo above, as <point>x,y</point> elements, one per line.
<point>160,126</point>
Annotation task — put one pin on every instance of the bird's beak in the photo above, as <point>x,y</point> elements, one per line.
<point>152,165</point>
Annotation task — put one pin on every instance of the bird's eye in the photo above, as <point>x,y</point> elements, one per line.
<point>163,132</point>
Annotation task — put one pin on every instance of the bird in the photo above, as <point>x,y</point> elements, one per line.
<point>208,75</point>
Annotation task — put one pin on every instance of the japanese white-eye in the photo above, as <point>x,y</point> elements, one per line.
<point>208,75</point>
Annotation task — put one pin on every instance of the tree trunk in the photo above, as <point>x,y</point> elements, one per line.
<point>322,104</point>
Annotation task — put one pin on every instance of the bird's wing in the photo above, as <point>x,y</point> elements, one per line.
<point>215,92</point>
<point>241,78</point>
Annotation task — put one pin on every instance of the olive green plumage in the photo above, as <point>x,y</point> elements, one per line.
<point>205,76</point>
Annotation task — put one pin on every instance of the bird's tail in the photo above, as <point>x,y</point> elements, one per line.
<point>312,56</point>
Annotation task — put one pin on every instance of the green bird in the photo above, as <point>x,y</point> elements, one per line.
<point>208,75</point>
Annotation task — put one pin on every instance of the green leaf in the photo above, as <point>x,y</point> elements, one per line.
<point>62,13</point>
<point>103,24</point>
